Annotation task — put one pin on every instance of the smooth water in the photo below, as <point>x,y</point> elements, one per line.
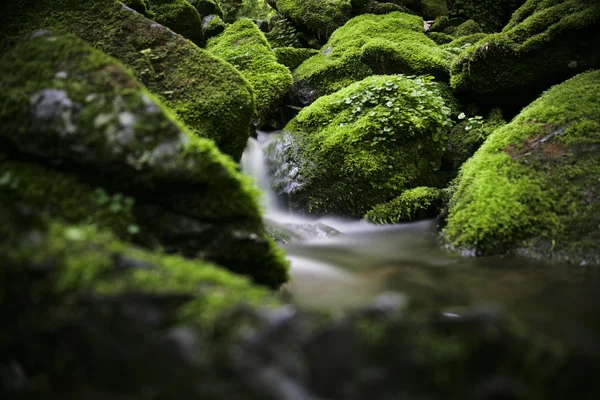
<point>338,264</point>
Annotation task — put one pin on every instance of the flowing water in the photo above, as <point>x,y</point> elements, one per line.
<point>338,264</point>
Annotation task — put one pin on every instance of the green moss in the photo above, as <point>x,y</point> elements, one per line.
<point>231,9</point>
<point>318,17</point>
<point>140,6</point>
<point>468,27</point>
<point>468,135</point>
<point>64,196</point>
<point>207,7</point>
<point>180,16</point>
<point>431,9</point>
<point>558,40</point>
<point>213,26</point>
<point>462,43</point>
<point>282,33</point>
<point>292,57</point>
<point>207,93</point>
<point>85,114</point>
<point>440,37</point>
<point>246,47</point>
<point>492,15</point>
<point>534,184</point>
<point>378,7</point>
<point>413,204</point>
<point>363,145</point>
<point>371,44</point>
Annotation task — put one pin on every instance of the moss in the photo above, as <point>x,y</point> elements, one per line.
<point>378,7</point>
<point>462,43</point>
<point>367,45</point>
<point>468,135</point>
<point>246,47</point>
<point>64,196</point>
<point>282,33</point>
<point>140,6</point>
<point>534,184</point>
<point>86,115</point>
<point>231,9</point>
<point>213,26</point>
<point>362,146</point>
<point>440,37</point>
<point>492,15</point>
<point>318,17</point>
<point>557,41</point>
<point>180,16</point>
<point>468,27</point>
<point>207,7</point>
<point>207,93</point>
<point>431,9</point>
<point>292,57</point>
<point>413,204</point>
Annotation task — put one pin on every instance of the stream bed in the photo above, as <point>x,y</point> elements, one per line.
<point>338,265</point>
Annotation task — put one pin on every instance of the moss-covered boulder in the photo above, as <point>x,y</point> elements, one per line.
<point>413,204</point>
<point>212,25</point>
<point>292,57</point>
<point>432,9</point>
<point>206,93</point>
<point>246,47</point>
<point>533,186</point>
<point>207,7</point>
<point>362,145</point>
<point>87,116</point>
<point>180,16</point>
<point>367,45</point>
<point>492,15</point>
<point>318,17</point>
<point>545,43</point>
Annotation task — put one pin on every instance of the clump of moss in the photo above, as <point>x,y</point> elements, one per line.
<point>469,134</point>
<point>180,16</point>
<point>207,93</point>
<point>534,184</point>
<point>246,47</point>
<point>362,145</point>
<point>492,15</point>
<point>318,17</point>
<point>440,37</point>
<point>212,25</point>
<point>456,46</point>
<point>545,43</point>
<point>431,9</point>
<point>367,45</point>
<point>468,27</point>
<point>86,115</point>
<point>413,204</point>
<point>292,57</point>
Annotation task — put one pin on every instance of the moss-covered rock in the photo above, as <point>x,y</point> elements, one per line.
<point>468,27</point>
<point>362,145</point>
<point>492,15</point>
<point>413,204</point>
<point>231,9</point>
<point>367,45</point>
<point>547,42</point>
<point>207,93</point>
<point>180,16</point>
<point>140,6</point>
<point>432,9</point>
<point>456,46</point>
<point>292,57</point>
<point>318,17</point>
<point>84,114</point>
<point>207,7</point>
<point>440,37</point>
<point>533,186</point>
<point>246,47</point>
<point>213,25</point>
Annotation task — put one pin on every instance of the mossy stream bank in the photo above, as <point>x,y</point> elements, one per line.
<point>439,159</point>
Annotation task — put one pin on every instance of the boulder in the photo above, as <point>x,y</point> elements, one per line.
<point>245,47</point>
<point>533,186</point>
<point>85,115</point>
<point>205,92</point>
<point>368,45</point>
<point>362,145</point>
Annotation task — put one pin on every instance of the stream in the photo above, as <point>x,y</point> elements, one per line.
<point>339,264</point>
